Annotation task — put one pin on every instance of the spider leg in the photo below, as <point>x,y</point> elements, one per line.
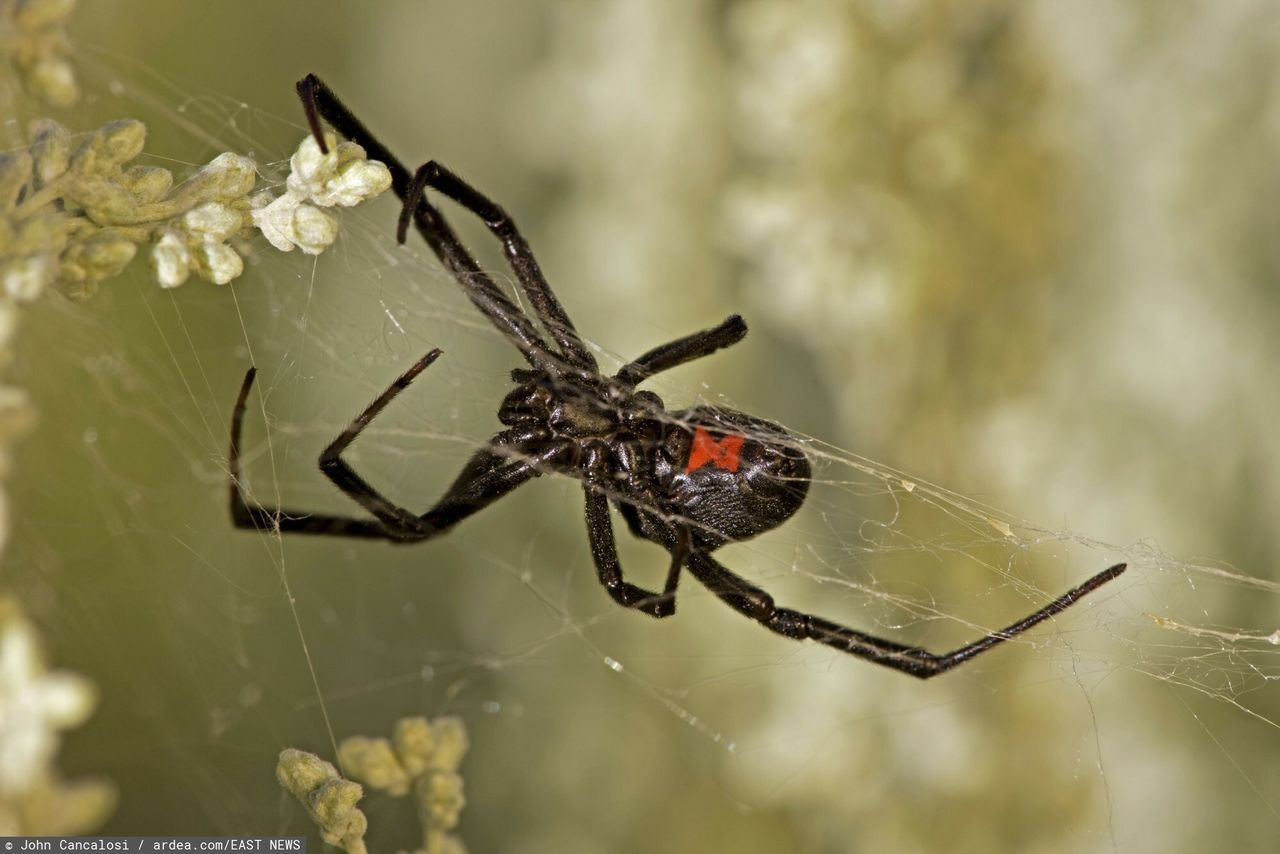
<point>463,499</point>
<point>604,551</point>
<point>667,356</point>
<point>679,554</point>
<point>246,514</point>
<point>490,475</point>
<point>318,101</point>
<point>469,495</point>
<point>759,606</point>
<point>352,484</point>
<point>604,547</point>
<point>519,255</point>
<point>507,446</point>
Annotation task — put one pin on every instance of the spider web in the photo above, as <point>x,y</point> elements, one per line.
<point>214,648</point>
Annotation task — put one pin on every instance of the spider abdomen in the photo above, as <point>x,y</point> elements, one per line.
<point>732,476</point>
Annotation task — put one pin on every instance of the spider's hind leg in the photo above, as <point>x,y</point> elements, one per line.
<point>758,605</point>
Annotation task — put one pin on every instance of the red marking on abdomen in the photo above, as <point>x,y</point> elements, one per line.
<point>722,454</point>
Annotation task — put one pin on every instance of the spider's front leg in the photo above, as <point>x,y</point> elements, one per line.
<point>320,101</point>
<point>682,350</point>
<point>517,250</point>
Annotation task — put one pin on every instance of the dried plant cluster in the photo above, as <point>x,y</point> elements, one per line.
<point>74,212</point>
<point>73,215</point>
<point>420,761</point>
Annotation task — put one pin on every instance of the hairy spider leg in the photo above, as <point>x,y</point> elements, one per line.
<point>667,356</point>
<point>318,100</point>
<point>509,461</point>
<point>915,661</point>
<point>604,547</point>
<point>517,250</point>
<point>554,318</point>
<point>488,476</point>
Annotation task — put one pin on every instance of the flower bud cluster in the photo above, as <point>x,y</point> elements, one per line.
<point>420,760</point>
<point>343,177</point>
<point>329,799</point>
<point>74,215</point>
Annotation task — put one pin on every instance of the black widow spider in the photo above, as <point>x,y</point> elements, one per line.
<point>689,481</point>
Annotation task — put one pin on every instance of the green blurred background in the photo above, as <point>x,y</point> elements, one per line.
<point>1023,250</point>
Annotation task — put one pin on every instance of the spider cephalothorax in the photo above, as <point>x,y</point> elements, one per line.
<point>690,480</point>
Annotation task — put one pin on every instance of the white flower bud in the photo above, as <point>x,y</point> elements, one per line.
<point>105,255</point>
<point>224,179</point>
<point>309,168</point>
<point>358,181</point>
<point>452,742</point>
<point>36,703</point>
<point>212,221</point>
<point>69,699</point>
<point>217,262</point>
<point>23,279</point>
<point>374,763</point>
<point>440,799</point>
<point>148,183</point>
<point>415,744</point>
<point>275,221</point>
<point>51,149</point>
<point>234,175</point>
<point>329,799</point>
<point>170,260</point>
<point>312,229</point>
<point>103,200</point>
<point>54,80</point>
<point>117,143</point>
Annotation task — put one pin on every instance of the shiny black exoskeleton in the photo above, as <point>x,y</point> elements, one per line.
<point>723,475</point>
<point>690,481</point>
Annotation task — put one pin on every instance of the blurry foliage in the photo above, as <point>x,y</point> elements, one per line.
<point>894,203</point>
<point>36,705</point>
<point>33,38</point>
